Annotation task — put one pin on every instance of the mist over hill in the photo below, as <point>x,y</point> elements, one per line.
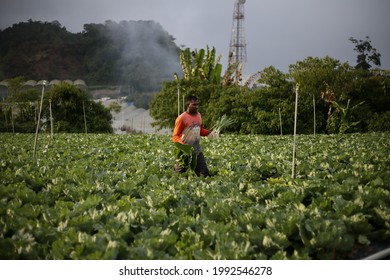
<point>136,55</point>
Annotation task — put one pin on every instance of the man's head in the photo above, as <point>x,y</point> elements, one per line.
<point>192,104</point>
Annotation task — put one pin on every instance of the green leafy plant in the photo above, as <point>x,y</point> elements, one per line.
<point>114,197</point>
<point>185,155</point>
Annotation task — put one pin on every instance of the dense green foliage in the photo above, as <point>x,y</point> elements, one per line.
<point>185,156</point>
<point>116,197</point>
<point>68,106</point>
<point>345,100</point>
<point>72,110</point>
<point>367,54</point>
<point>136,54</point>
<point>141,58</point>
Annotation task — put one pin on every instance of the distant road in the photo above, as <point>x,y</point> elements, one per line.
<point>137,119</point>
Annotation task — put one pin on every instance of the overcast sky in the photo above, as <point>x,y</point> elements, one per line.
<point>277,32</point>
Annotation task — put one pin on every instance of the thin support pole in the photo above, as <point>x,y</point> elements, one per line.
<point>51,120</point>
<point>38,121</point>
<point>85,119</point>
<point>314,115</point>
<point>295,133</point>
<point>178,101</point>
<point>12,119</point>
<point>6,120</point>
<point>36,112</point>
<point>183,103</point>
<point>280,122</point>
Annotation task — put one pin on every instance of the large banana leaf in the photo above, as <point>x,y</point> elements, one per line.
<point>186,63</point>
<point>199,59</point>
<point>217,73</point>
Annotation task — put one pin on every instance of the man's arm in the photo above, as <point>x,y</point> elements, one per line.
<point>204,132</point>
<point>178,130</point>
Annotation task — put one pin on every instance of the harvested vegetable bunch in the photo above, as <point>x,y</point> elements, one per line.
<point>185,155</point>
<point>222,123</point>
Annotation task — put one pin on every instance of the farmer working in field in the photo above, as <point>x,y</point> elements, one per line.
<point>188,129</point>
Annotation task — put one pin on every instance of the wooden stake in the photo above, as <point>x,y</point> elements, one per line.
<point>12,119</point>
<point>85,119</point>
<point>178,100</point>
<point>51,120</point>
<point>314,114</point>
<point>38,121</point>
<point>295,132</point>
<point>280,122</point>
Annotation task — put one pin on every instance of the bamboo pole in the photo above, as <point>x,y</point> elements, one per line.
<point>12,119</point>
<point>178,101</point>
<point>36,111</point>
<point>6,120</point>
<point>39,118</point>
<point>280,122</point>
<point>183,103</point>
<point>295,133</point>
<point>85,119</point>
<point>314,115</point>
<point>51,120</point>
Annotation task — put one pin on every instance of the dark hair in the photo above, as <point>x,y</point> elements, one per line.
<point>190,99</point>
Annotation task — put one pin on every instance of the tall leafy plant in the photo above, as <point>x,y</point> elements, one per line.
<point>200,64</point>
<point>346,122</point>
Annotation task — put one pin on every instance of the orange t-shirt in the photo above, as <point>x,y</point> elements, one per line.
<point>188,129</point>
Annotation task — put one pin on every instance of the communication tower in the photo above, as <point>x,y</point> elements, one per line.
<point>237,50</point>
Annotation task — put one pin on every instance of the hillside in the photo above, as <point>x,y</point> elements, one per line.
<point>136,54</point>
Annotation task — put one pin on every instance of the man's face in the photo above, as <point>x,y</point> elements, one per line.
<point>193,107</point>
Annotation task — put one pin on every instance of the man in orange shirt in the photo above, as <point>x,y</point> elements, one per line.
<point>188,130</point>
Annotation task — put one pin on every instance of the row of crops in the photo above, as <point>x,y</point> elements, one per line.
<point>116,197</point>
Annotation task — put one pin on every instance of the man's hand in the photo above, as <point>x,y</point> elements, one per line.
<point>213,134</point>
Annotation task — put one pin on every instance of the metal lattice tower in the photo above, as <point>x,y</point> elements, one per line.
<point>237,51</point>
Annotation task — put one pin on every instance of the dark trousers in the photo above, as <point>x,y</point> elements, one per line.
<point>201,167</point>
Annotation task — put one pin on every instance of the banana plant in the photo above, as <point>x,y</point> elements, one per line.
<point>186,64</point>
<point>345,115</point>
<point>201,64</point>
<point>233,72</point>
<point>198,57</point>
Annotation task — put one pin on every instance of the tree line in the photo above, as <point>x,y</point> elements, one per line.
<point>65,108</point>
<point>135,54</point>
<point>334,97</point>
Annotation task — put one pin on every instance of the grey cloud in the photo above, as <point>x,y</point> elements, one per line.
<point>278,32</point>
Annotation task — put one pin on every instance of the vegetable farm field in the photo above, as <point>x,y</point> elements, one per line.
<point>106,196</point>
